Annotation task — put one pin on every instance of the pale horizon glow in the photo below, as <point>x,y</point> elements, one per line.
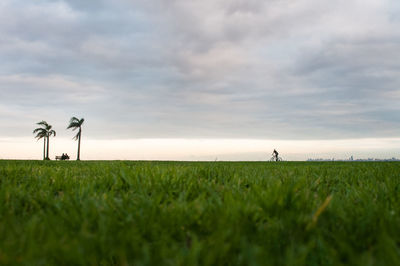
<point>202,149</point>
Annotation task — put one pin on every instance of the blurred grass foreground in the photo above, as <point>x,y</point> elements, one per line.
<point>199,213</point>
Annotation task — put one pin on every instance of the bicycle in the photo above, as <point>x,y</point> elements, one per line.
<point>274,159</point>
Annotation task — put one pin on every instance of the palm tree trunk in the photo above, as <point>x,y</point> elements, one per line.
<point>44,148</point>
<point>79,146</point>
<point>47,157</point>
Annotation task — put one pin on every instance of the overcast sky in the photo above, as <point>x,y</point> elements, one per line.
<point>202,69</point>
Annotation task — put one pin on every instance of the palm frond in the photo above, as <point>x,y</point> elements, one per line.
<point>41,133</point>
<point>52,132</point>
<point>73,119</point>
<point>40,137</point>
<point>73,125</point>
<point>76,137</point>
<point>42,123</point>
<point>39,129</point>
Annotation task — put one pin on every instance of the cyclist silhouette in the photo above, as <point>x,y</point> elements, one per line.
<point>275,156</point>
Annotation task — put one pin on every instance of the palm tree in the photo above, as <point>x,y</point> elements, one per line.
<point>44,132</point>
<point>41,133</point>
<point>75,123</point>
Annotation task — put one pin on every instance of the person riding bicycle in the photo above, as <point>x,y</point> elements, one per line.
<point>275,155</point>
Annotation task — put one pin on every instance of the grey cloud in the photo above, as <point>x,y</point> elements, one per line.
<point>252,69</point>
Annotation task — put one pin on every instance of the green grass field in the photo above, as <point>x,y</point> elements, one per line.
<point>184,213</point>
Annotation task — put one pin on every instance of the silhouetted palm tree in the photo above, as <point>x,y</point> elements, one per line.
<point>41,133</point>
<point>44,132</point>
<point>75,123</point>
